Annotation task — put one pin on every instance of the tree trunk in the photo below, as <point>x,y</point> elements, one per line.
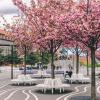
<point>25,60</point>
<point>42,57</point>
<point>52,61</point>
<point>87,63</point>
<point>12,51</point>
<point>52,66</point>
<point>67,57</point>
<point>93,87</point>
<point>73,60</point>
<point>77,62</point>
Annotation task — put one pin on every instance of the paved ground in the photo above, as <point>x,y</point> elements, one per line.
<point>74,92</point>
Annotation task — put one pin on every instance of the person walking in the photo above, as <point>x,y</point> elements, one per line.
<point>70,70</point>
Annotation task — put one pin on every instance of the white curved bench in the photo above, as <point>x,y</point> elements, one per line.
<point>78,78</point>
<point>83,79</point>
<point>23,79</point>
<point>52,84</point>
<point>18,80</point>
<point>38,74</point>
<point>41,73</point>
<point>60,85</point>
<point>29,80</point>
<point>45,74</point>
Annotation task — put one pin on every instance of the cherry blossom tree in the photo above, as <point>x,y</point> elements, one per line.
<point>21,34</point>
<point>83,25</point>
<point>44,16</point>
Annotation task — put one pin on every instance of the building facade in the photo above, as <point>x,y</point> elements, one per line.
<point>5,43</point>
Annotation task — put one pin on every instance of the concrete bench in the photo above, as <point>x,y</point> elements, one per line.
<point>52,84</point>
<point>23,79</point>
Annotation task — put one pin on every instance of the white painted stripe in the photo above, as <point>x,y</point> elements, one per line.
<point>98,89</point>
<point>3,93</point>
<point>3,86</point>
<point>10,95</point>
<point>20,88</point>
<point>27,95</point>
<point>36,98</point>
<point>85,90</point>
<point>8,90</point>
<point>75,91</point>
<point>67,97</point>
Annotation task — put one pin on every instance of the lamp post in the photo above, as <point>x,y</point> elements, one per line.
<point>12,60</point>
<point>87,62</point>
<point>25,52</point>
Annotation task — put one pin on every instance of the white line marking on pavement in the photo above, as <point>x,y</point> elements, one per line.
<point>3,86</point>
<point>98,89</point>
<point>27,95</point>
<point>85,89</point>
<point>36,98</point>
<point>74,91</point>
<point>10,95</point>
<point>8,90</point>
<point>76,88</point>
<point>20,88</point>
<point>3,92</point>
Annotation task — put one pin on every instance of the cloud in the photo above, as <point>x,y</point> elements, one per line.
<point>8,11</point>
<point>7,7</point>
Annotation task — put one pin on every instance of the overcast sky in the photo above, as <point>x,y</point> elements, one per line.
<point>7,6</point>
<point>8,9</point>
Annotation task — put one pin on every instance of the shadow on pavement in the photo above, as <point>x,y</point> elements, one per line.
<point>23,84</point>
<point>83,98</point>
<point>55,92</point>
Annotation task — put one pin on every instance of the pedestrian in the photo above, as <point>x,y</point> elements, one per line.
<point>70,70</point>
<point>70,67</point>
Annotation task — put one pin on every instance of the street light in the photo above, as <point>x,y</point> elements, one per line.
<point>12,60</point>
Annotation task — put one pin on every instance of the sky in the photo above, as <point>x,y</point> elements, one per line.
<point>7,7</point>
<point>8,10</point>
